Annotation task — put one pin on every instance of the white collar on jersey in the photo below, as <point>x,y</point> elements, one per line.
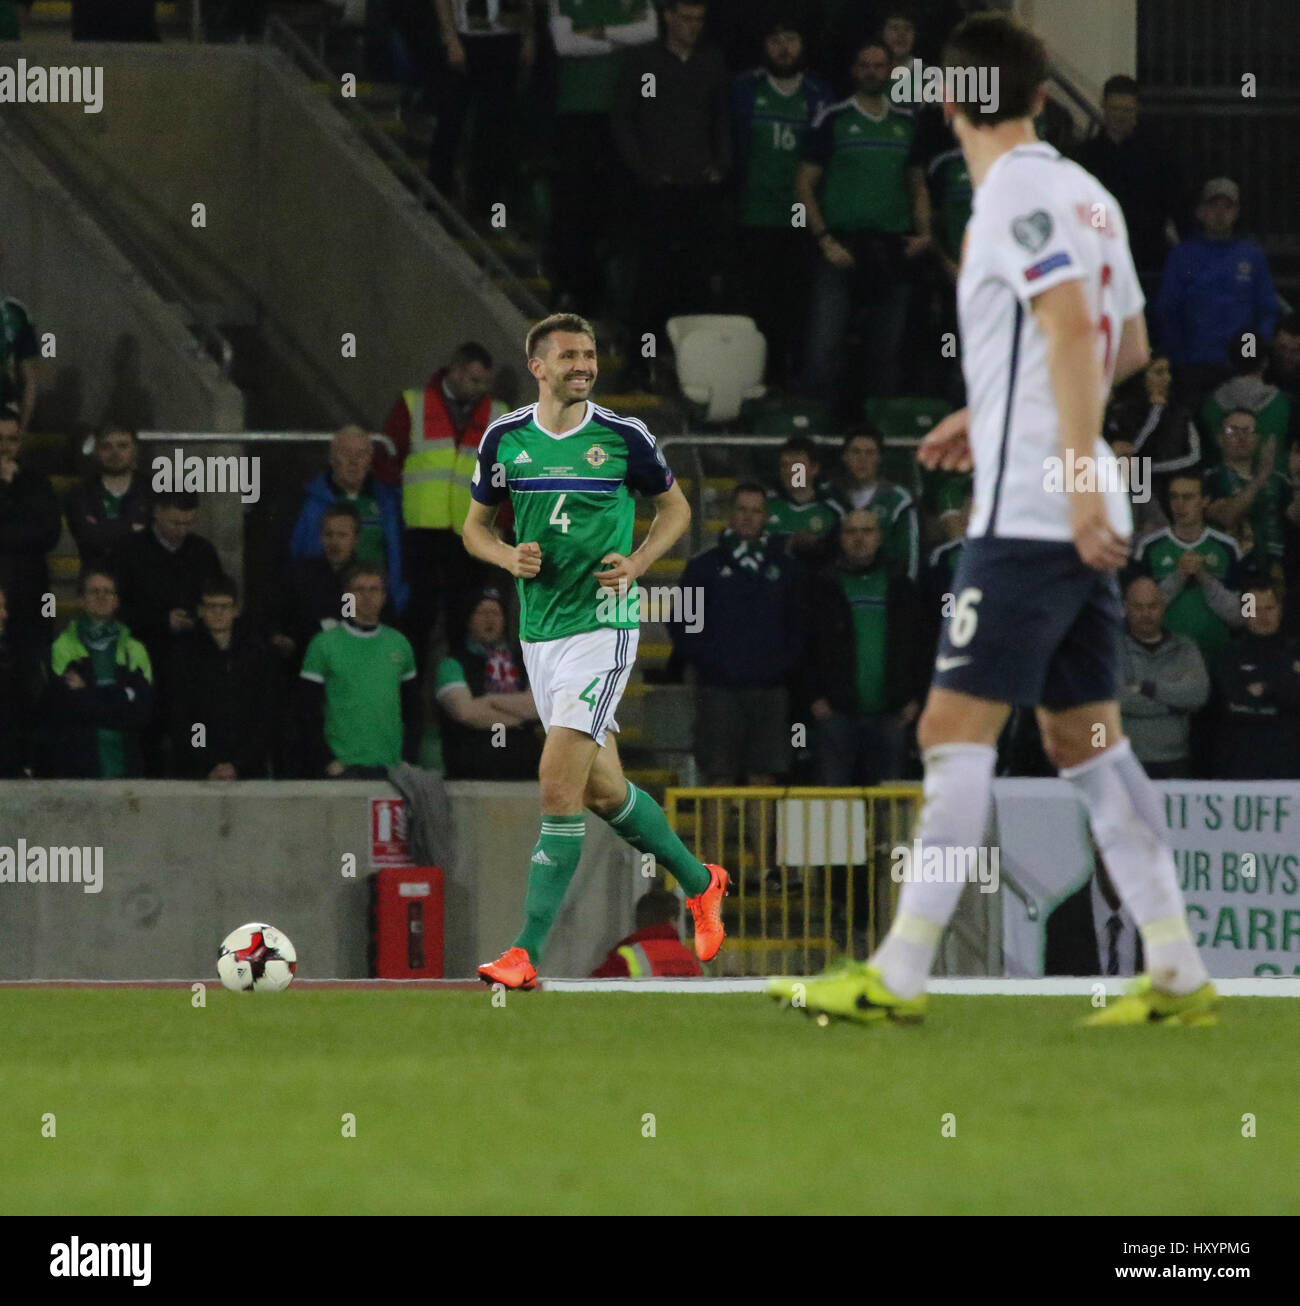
<point>1035,149</point>
<point>591,412</point>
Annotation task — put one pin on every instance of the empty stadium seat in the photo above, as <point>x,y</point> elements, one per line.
<point>720,361</point>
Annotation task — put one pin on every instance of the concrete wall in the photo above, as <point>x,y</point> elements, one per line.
<point>1089,42</point>
<point>186,862</point>
<point>118,346</point>
<point>304,225</point>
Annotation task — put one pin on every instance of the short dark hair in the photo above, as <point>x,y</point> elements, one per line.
<point>801,444</point>
<point>116,428</point>
<point>541,331</point>
<point>182,500</point>
<point>658,907</point>
<point>1242,412</point>
<point>90,571</point>
<point>1265,585</point>
<point>10,413</point>
<point>219,585</point>
<point>1189,474</point>
<point>899,9</point>
<point>471,352</point>
<point>668,6</point>
<point>747,487</point>
<point>1290,324</point>
<point>997,40</point>
<point>341,508</point>
<point>1120,84</point>
<point>365,569</point>
<point>863,430</point>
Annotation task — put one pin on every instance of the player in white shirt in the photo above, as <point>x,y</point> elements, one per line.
<point>1050,315</point>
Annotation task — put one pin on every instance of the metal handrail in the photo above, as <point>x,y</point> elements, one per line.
<point>254,437</point>
<point>489,262</point>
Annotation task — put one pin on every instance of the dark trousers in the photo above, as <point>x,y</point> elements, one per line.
<point>442,577</point>
<point>487,89</point>
<point>676,243</point>
<point>772,276</point>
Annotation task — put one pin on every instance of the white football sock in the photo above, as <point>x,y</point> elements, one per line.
<point>1124,811</point>
<point>958,794</point>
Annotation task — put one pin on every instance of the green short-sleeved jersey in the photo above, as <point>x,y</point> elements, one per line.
<point>1265,515</point>
<point>777,127</point>
<point>864,185</point>
<point>952,194</point>
<point>818,515</point>
<point>572,495</point>
<point>868,596</point>
<point>363,672</point>
<point>1189,614</point>
<point>450,672</point>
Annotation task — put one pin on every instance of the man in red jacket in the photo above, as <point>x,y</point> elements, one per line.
<point>655,947</point>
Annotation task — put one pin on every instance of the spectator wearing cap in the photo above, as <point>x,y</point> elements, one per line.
<point>677,145</point>
<point>1259,685</point>
<point>486,706</point>
<point>99,699</point>
<point>114,501</point>
<point>349,479</point>
<point>860,485</point>
<point>436,430</point>
<point>1141,174</point>
<point>1246,487</point>
<point>801,507</point>
<point>591,37</point>
<point>868,213</point>
<point>1163,680</point>
<point>654,947</point>
<point>773,106</point>
<point>865,674</point>
<point>29,528</point>
<point>222,693</point>
<point>1215,287</point>
<point>358,709</point>
<point>1249,391</point>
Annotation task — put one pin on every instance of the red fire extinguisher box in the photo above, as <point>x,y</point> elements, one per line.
<point>406,923</point>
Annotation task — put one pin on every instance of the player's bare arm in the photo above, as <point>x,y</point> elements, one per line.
<point>672,517</point>
<point>1077,385</point>
<point>1134,351</point>
<point>522,561</point>
<point>946,447</point>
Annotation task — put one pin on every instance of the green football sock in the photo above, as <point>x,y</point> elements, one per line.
<point>641,821</point>
<point>555,858</point>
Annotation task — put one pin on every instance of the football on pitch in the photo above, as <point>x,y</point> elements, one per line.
<point>256,959</point>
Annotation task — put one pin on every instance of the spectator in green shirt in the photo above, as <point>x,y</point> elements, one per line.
<point>868,210</point>
<point>801,508</point>
<point>865,675</point>
<point>773,106</point>
<point>359,676</point>
<point>860,485</point>
<point>1248,390</point>
<point>1246,488</point>
<point>590,38</point>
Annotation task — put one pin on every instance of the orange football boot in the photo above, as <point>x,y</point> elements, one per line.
<point>707,911</point>
<point>512,968</point>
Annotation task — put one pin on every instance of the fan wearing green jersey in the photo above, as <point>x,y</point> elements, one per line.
<point>569,468</point>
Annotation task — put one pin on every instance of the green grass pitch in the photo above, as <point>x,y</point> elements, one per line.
<point>539,1106</point>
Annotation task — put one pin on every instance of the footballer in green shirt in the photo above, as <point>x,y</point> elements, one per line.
<point>569,468</point>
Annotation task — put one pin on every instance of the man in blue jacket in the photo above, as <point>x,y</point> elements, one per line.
<point>746,591</point>
<point>349,480</point>
<point>1215,287</point>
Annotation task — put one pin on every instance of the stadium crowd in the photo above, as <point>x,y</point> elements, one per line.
<point>838,575</point>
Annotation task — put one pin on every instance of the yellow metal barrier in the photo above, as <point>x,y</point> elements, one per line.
<point>809,868</point>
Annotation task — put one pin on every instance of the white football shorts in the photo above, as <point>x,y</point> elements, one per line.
<point>577,681</point>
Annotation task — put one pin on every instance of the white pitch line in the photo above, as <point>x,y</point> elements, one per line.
<point>1055,986</point>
